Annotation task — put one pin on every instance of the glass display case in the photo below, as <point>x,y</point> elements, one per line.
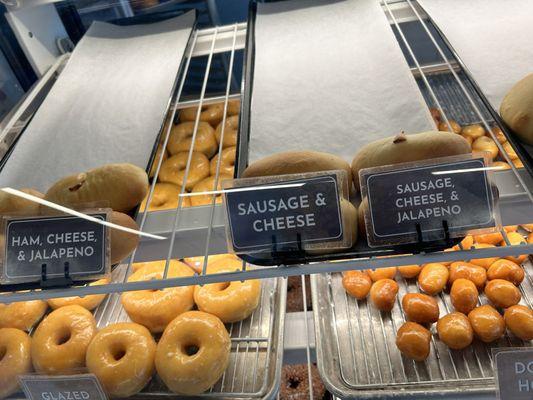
<point>145,120</point>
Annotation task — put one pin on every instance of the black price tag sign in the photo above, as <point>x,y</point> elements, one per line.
<point>403,200</point>
<point>514,371</point>
<point>278,215</point>
<point>32,242</point>
<point>69,387</point>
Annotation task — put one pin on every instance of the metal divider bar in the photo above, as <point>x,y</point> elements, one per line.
<point>189,157</point>
<point>219,160</point>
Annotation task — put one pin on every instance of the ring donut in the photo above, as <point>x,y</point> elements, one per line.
<point>89,302</point>
<point>165,197</point>
<point>227,162</point>
<point>234,107</point>
<point>15,359</point>
<point>208,185</point>
<point>181,139</point>
<point>193,353</point>
<point>229,301</point>
<point>197,262</point>
<point>22,315</point>
<point>173,169</point>
<point>155,309</point>
<point>60,342</point>
<point>122,358</point>
<point>231,129</point>
<point>160,152</point>
<point>210,113</point>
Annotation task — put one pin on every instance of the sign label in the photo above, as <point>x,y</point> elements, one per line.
<point>282,213</point>
<point>514,368</point>
<point>32,242</point>
<point>70,387</point>
<point>400,198</point>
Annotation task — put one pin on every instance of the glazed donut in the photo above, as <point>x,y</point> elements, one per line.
<point>165,197</point>
<point>155,309</point>
<point>231,131</point>
<point>443,126</point>
<point>181,139</point>
<point>510,151</point>
<point>60,342</point>
<point>210,113</point>
<point>234,107</point>
<point>500,165</point>
<point>173,169</point>
<point>515,239</point>
<point>295,298</point>
<point>295,382</point>
<point>487,145</point>
<point>500,136</point>
<point>89,302</point>
<point>197,263</point>
<point>208,185</point>
<point>193,353</point>
<point>160,152</point>
<point>227,163</point>
<point>22,315</point>
<point>15,359</point>
<point>473,132</point>
<point>229,301</point>
<point>11,204</point>
<point>122,358</point>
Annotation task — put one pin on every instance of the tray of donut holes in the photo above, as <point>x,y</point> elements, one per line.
<point>214,133</point>
<point>424,328</point>
<point>223,339</point>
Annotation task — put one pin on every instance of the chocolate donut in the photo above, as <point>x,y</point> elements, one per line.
<point>295,383</point>
<point>295,300</point>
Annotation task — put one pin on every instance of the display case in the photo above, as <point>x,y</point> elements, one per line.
<point>179,89</point>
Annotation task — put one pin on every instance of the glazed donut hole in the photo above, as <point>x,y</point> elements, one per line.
<point>499,134</point>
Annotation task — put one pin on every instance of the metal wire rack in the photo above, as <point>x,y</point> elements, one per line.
<point>256,350</point>
<point>357,354</point>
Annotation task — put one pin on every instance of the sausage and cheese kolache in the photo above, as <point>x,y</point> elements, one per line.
<point>297,162</point>
<point>516,109</point>
<point>404,148</point>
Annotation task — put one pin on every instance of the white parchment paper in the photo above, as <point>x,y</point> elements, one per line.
<point>494,38</point>
<point>329,76</point>
<point>107,105</point>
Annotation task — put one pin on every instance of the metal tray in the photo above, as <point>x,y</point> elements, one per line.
<point>357,355</point>
<point>254,370</point>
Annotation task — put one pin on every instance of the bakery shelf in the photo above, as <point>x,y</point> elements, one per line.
<point>200,230</point>
<point>256,351</point>
<point>357,355</point>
